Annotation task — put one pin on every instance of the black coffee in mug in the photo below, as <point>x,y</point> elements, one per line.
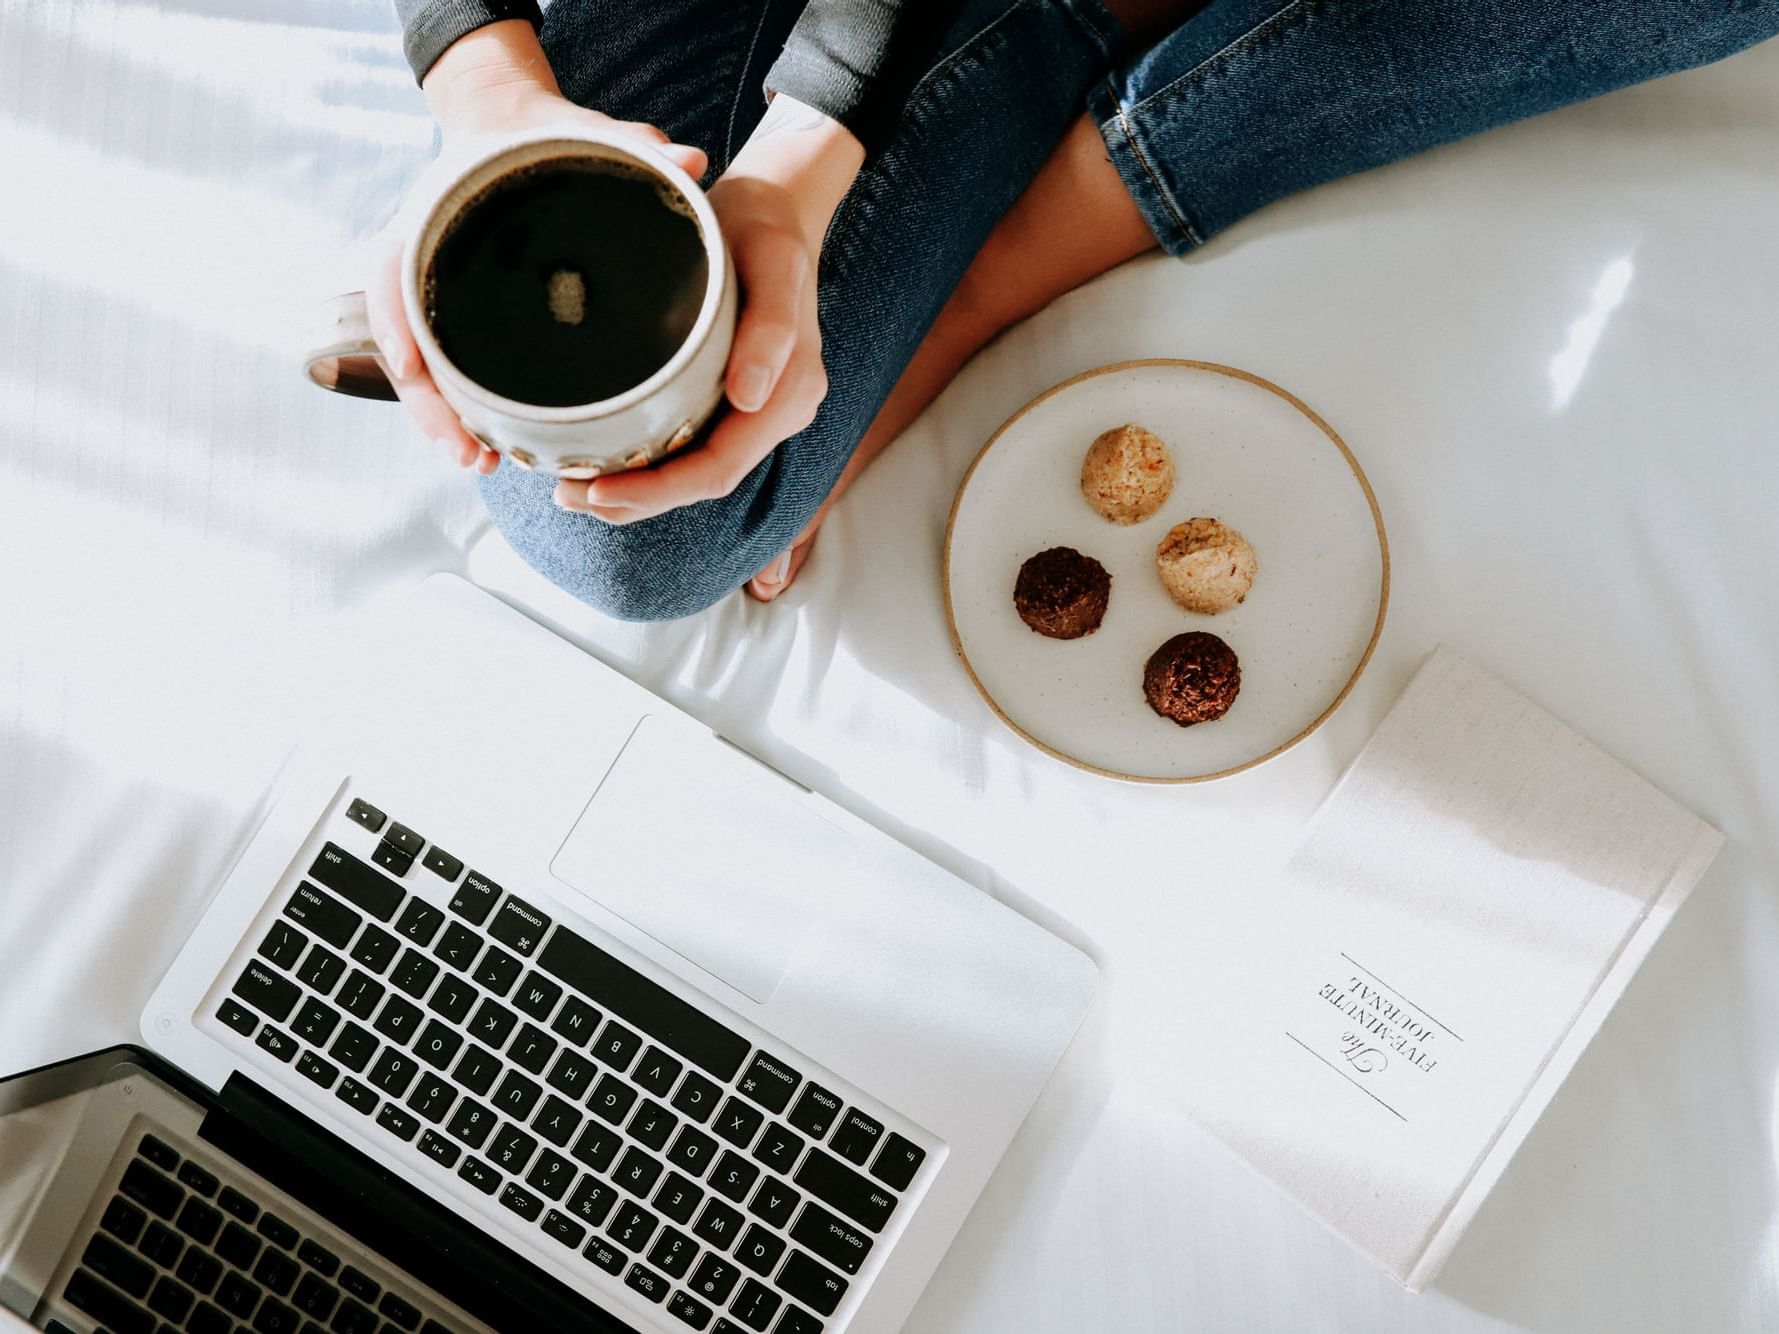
<point>567,282</point>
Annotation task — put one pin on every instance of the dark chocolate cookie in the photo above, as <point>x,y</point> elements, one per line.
<point>1062,593</point>
<point>1193,678</point>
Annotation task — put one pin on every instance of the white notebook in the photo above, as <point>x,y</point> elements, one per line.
<point>1463,911</point>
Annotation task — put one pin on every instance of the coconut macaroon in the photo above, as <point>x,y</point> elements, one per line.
<point>1206,566</point>
<point>1127,474</point>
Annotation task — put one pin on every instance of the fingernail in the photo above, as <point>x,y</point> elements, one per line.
<point>780,568</point>
<point>751,386</point>
<point>398,354</point>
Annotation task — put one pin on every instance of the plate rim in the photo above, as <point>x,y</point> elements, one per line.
<point>1217,368</point>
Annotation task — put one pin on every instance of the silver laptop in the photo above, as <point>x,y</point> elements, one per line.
<point>533,1004</point>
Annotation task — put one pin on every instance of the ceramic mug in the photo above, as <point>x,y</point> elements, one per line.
<point>632,430</point>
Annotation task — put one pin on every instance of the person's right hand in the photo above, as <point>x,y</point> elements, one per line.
<point>491,82</point>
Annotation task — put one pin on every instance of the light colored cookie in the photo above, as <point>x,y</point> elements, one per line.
<point>1127,474</point>
<point>1205,566</point>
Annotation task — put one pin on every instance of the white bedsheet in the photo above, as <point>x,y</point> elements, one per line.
<point>1554,348</point>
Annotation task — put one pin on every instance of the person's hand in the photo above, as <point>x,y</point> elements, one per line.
<point>491,82</point>
<point>774,204</point>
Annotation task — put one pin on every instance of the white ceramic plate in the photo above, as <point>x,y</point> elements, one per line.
<point>1246,452</point>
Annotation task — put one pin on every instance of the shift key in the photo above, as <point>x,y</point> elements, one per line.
<point>833,1182</point>
<point>351,879</point>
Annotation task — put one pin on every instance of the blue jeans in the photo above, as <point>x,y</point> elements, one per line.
<point>1247,101</point>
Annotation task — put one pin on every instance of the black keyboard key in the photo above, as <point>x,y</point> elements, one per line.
<point>714,1279</point>
<point>774,1201</point>
<point>518,925</point>
<point>458,946</point>
<point>442,863</point>
<point>616,1045</point>
<point>432,1098</point>
<point>516,1095</point>
<point>759,1250</point>
<point>117,1313</point>
<point>151,1190</point>
<point>493,1023</point>
<point>779,1148</point>
<point>393,1072</point>
<point>647,1282</point>
<point>357,883</point>
<point>560,1227</point>
<point>795,1321</point>
<point>276,1271</point>
<point>360,995</point>
<point>353,1318</point>
<point>812,1283</point>
<point>171,1299</point>
<point>321,969</point>
<point>678,1198</point>
<point>237,1295</point>
<point>403,1313</point>
<point>405,839</point>
<point>512,1149</point>
<point>857,1137</point>
<point>414,974</point>
<point>199,1271</point>
<point>597,1146</point>
<point>556,1121</point>
<point>360,1284</point>
<point>770,1082</point>
<point>697,1097</point>
<point>898,1161</point>
<point>317,1071</point>
<point>532,1049</point>
<point>637,1172</point>
<point>206,1319</point>
<point>238,1017</point>
<point>397,1122</point>
<point>452,998</point>
<point>483,1177</point>
<point>815,1112</point>
<point>689,1310</point>
<point>376,949</point>
<point>353,1048</point>
<point>755,1305</point>
<point>475,898</point>
<point>612,1100</point>
<point>275,1230</point>
<point>237,1205</point>
<point>437,1045</point>
<point>238,1246</point>
<point>315,1297</point>
<point>551,1175</point>
<point>399,1019</point>
<point>472,1123</point>
<point>283,945</point>
<point>323,914</point>
<point>272,995</point>
<point>718,1224</point>
<point>673,1252</point>
<point>275,1317</point>
<point>575,1022</point>
<point>836,1184</point>
<point>692,1151</point>
<point>199,1179</point>
<point>199,1221</point>
<point>477,1070</point>
<point>738,1123</point>
<point>440,1149</point>
<point>831,1237</point>
<point>161,1244</point>
<point>162,1154</point>
<point>315,1022</point>
<point>615,986</point>
<point>392,859</point>
<point>572,1074</point>
<point>606,1256</point>
<point>522,1202</point>
<point>656,1071</point>
<point>496,970</point>
<point>537,996</point>
<point>366,814</point>
<point>356,1096</point>
<point>276,1042</point>
<point>633,1226</point>
<point>592,1199</point>
<point>118,1266</point>
<point>123,1220</point>
<point>318,1258</point>
<point>653,1124</point>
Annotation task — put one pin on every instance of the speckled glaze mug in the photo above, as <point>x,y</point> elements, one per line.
<point>633,429</point>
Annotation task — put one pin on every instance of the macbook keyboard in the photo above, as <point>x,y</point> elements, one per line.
<point>626,1123</point>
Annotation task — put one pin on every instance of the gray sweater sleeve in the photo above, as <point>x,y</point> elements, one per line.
<point>429,26</point>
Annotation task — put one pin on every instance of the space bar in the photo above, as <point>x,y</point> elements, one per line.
<point>643,1004</point>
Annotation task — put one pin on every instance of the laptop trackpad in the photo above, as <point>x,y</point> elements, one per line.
<point>714,856</point>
